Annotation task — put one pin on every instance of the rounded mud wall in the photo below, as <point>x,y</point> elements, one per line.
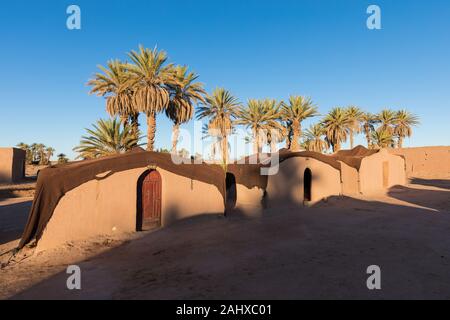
<point>287,186</point>
<point>108,205</point>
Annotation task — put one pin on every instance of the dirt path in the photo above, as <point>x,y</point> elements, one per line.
<point>319,252</point>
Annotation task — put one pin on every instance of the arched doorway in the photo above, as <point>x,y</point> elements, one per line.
<point>307,180</point>
<point>149,190</point>
<point>231,191</point>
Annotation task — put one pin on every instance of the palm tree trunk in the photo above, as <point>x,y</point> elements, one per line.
<point>135,125</point>
<point>369,142</point>
<point>255,141</point>
<point>213,151</point>
<point>124,119</point>
<point>224,150</point>
<point>296,131</point>
<point>151,130</point>
<point>336,147</point>
<point>351,139</point>
<point>400,142</point>
<point>175,135</point>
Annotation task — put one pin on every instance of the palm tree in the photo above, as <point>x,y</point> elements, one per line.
<point>261,116</point>
<point>298,109</point>
<point>314,141</point>
<point>62,158</point>
<point>403,125</point>
<point>114,83</point>
<point>49,151</point>
<point>40,152</point>
<point>383,138</point>
<point>183,95</point>
<point>355,116</point>
<point>336,127</point>
<point>220,109</point>
<point>34,153</point>
<point>368,121</point>
<point>387,119</point>
<point>150,77</point>
<point>106,138</point>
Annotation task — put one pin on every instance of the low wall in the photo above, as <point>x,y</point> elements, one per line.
<point>426,162</point>
<point>108,206</point>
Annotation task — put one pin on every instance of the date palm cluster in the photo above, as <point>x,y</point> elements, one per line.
<point>148,84</point>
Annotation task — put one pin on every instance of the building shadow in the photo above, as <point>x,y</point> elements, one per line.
<point>439,183</point>
<point>433,199</point>
<point>13,218</point>
<point>283,255</point>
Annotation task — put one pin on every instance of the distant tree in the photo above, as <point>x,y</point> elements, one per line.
<point>387,119</point>
<point>314,140</point>
<point>261,116</point>
<point>220,109</point>
<point>49,151</point>
<point>355,116</point>
<point>62,158</point>
<point>404,122</point>
<point>185,92</point>
<point>297,110</point>
<point>40,153</point>
<point>368,121</point>
<point>383,138</point>
<point>336,126</point>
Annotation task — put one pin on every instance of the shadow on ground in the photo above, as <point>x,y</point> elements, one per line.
<point>289,253</point>
<point>439,183</point>
<point>434,199</point>
<point>13,217</point>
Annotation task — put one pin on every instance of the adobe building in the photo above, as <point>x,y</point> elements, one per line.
<point>12,165</point>
<point>118,194</point>
<point>143,190</point>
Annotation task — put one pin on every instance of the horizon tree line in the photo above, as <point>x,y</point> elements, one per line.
<point>39,154</point>
<point>148,84</point>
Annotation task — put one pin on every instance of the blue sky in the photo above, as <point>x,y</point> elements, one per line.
<point>256,49</point>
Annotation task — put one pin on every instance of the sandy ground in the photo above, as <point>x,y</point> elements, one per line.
<point>291,253</point>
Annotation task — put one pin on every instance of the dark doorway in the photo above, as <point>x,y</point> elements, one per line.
<point>231,191</point>
<point>149,190</point>
<point>307,179</point>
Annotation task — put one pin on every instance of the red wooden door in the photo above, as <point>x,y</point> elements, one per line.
<point>151,201</point>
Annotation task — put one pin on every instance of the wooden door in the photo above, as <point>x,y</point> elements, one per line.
<point>151,200</point>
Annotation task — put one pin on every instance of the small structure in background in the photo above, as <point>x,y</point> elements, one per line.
<point>12,165</point>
